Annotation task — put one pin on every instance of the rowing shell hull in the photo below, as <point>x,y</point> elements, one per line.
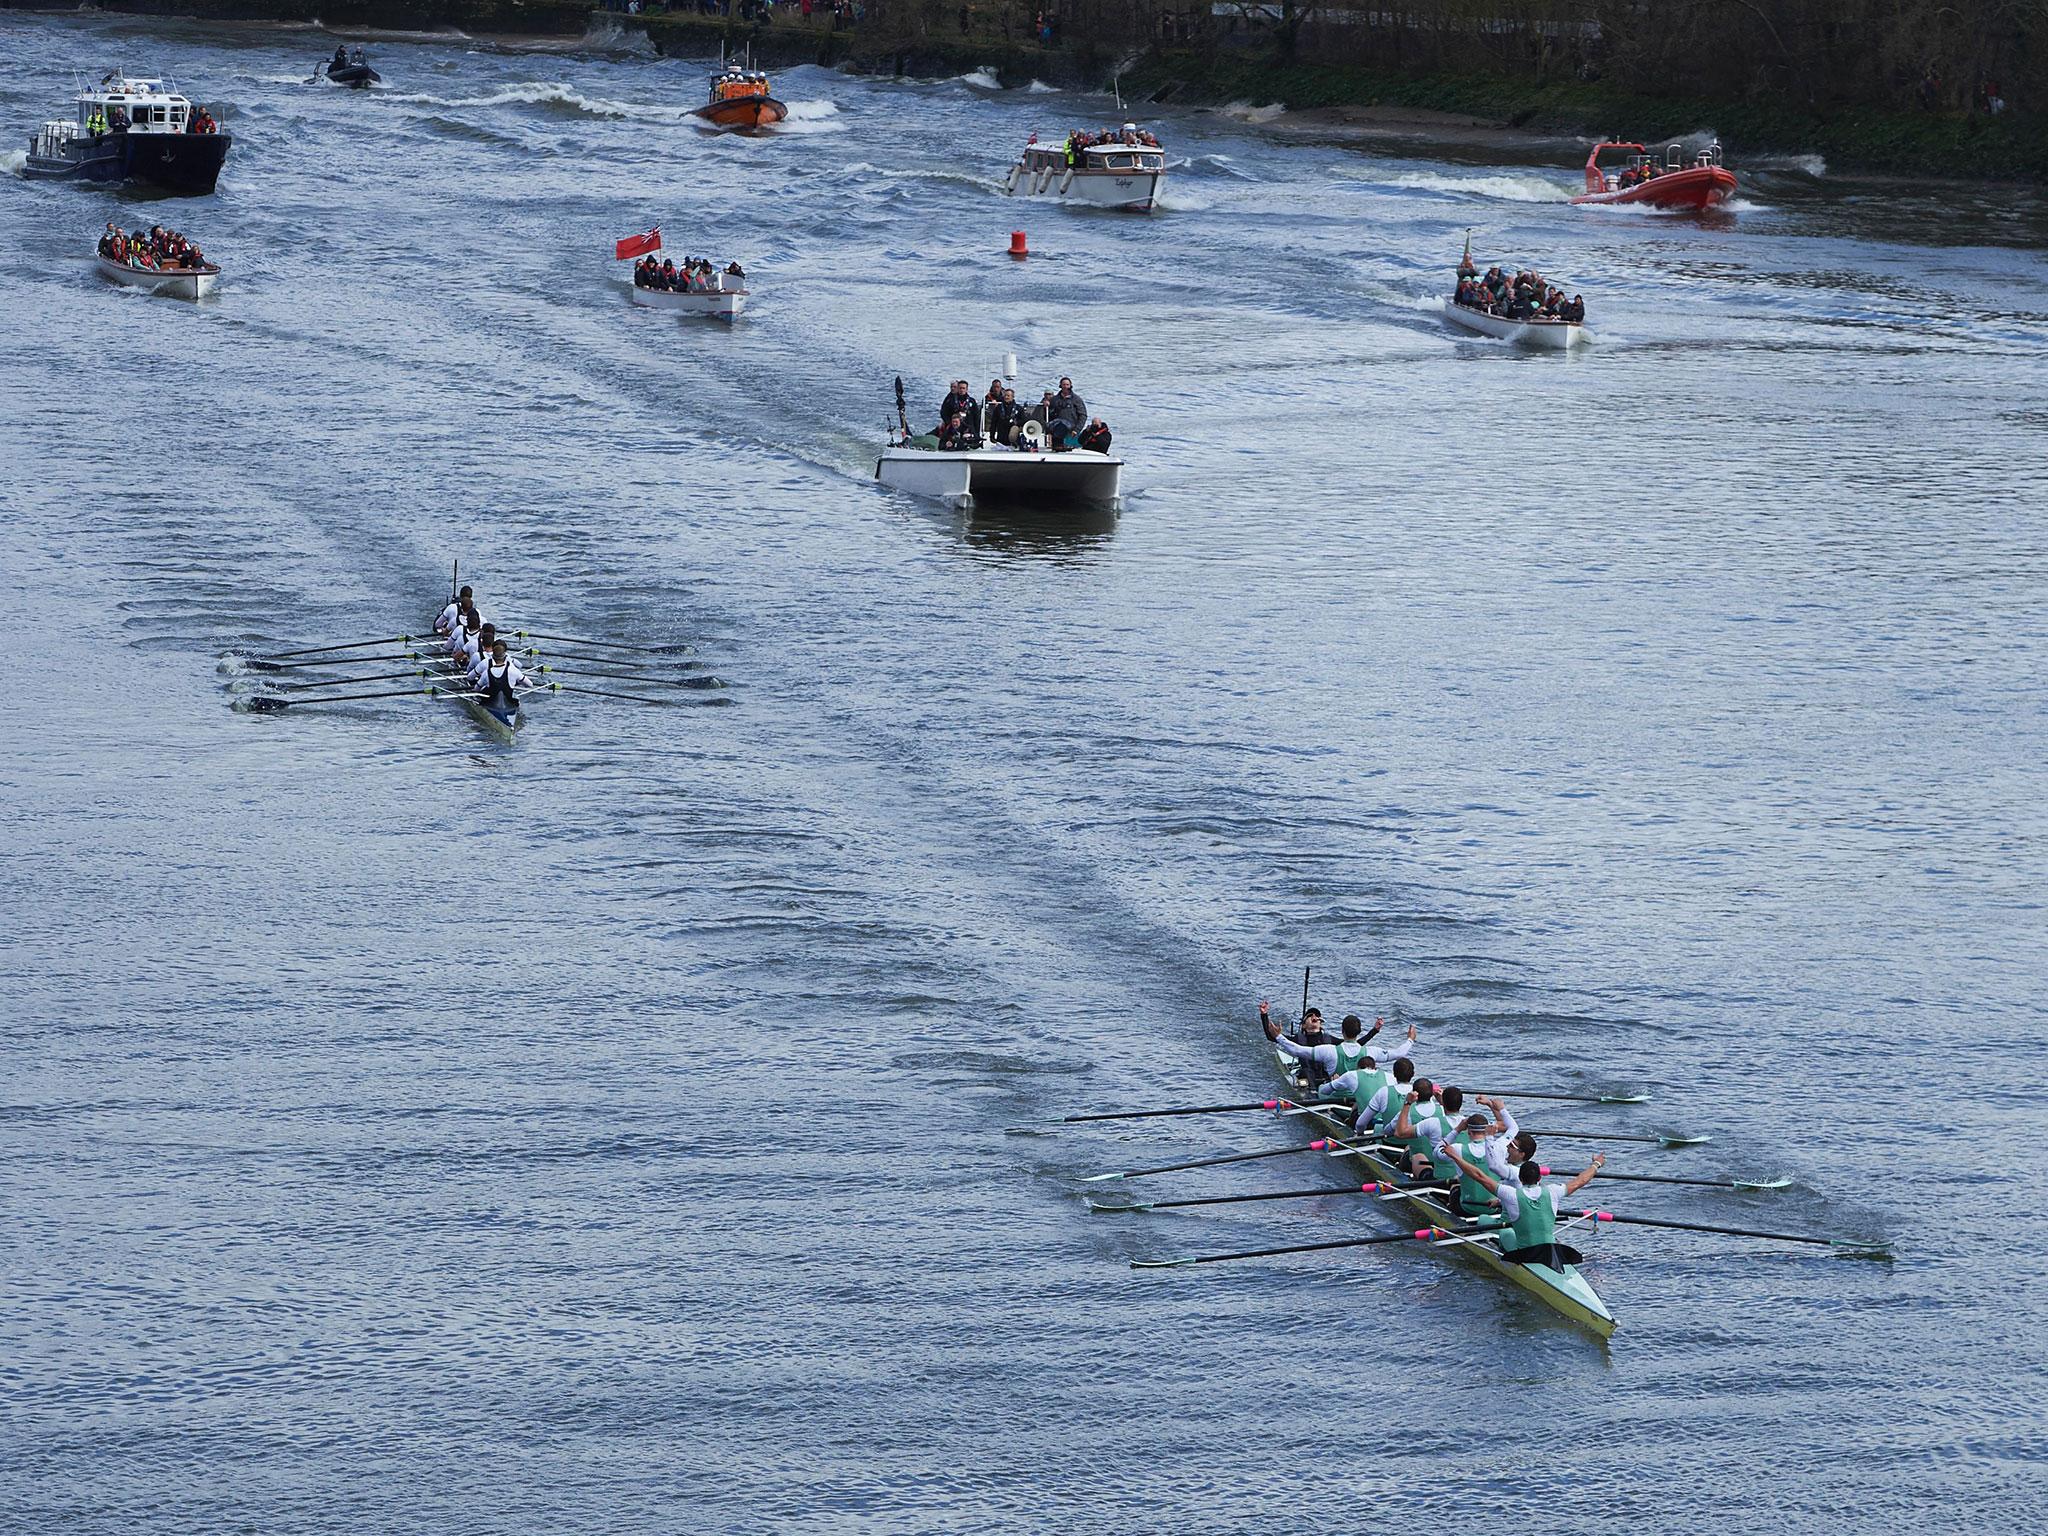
<point>1543,335</point>
<point>503,726</point>
<point>1564,1290</point>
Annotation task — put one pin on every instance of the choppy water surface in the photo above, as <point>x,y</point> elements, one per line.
<point>605,1133</point>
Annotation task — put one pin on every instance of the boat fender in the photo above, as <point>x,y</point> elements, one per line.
<point>1010,182</point>
<point>1066,182</point>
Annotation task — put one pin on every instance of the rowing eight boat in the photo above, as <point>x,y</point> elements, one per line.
<point>1565,1289</point>
<point>503,724</point>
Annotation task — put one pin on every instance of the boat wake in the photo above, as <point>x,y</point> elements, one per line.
<point>982,79</point>
<point>1804,165</point>
<point>1498,188</point>
<point>811,117</point>
<point>13,161</point>
<point>1246,112</point>
<point>554,97</point>
<point>1220,165</point>
<point>1040,88</point>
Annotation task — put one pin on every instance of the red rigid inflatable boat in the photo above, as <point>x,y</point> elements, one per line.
<point>1675,182</point>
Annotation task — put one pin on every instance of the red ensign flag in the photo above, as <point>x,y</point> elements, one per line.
<point>640,245</point>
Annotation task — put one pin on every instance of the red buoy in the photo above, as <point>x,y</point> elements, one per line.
<point>1018,248</point>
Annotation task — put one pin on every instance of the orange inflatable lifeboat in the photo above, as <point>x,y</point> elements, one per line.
<point>1675,182</point>
<point>740,102</point>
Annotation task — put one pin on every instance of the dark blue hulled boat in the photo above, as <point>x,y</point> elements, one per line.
<point>132,129</point>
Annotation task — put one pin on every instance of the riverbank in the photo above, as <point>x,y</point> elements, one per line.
<point>516,18</point>
<point>2010,147</point>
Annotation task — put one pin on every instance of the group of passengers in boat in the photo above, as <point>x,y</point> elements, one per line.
<point>1130,135</point>
<point>998,420</point>
<point>1636,175</point>
<point>695,275</point>
<point>115,118</point>
<point>159,250</point>
<point>1525,296</point>
<point>341,59</point>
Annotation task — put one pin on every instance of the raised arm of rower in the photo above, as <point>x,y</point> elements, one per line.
<point>1584,1176</point>
<point>1398,1049</point>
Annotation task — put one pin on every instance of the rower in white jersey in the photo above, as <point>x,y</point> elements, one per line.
<point>1529,1207</point>
<point>450,615</point>
<point>502,682</point>
<point>466,646</point>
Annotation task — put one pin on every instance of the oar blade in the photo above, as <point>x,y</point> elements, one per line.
<point>1758,1186</point>
<point>1114,1208</point>
<point>1163,1263</point>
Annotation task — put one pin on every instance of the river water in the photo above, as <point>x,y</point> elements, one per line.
<point>404,1131</point>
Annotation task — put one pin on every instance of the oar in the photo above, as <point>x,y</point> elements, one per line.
<point>1655,1141</point>
<point>1568,1098</point>
<point>1103,1208</point>
<point>1266,1253</point>
<point>1304,994</point>
<point>353,645</point>
<point>640,677</point>
<point>1157,1114</point>
<point>599,693</point>
<point>1852,1246</point>
<point>1658,1178</point>
<point>266,705</point>
<point>348,661</point>
<point>340,682</point>
<point>1205,1162</point>
<point>611,645</point>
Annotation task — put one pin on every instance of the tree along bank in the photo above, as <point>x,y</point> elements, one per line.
<point>2010,146</point>
<point>536,18</point>
<point>1898,125</point>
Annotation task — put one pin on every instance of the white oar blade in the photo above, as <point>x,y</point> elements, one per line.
<point>1762,1184</point>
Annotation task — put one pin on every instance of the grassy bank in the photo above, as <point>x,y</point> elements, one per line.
<point>2009,147</point>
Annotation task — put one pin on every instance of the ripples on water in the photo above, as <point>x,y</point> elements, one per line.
<point>403,1132</point>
